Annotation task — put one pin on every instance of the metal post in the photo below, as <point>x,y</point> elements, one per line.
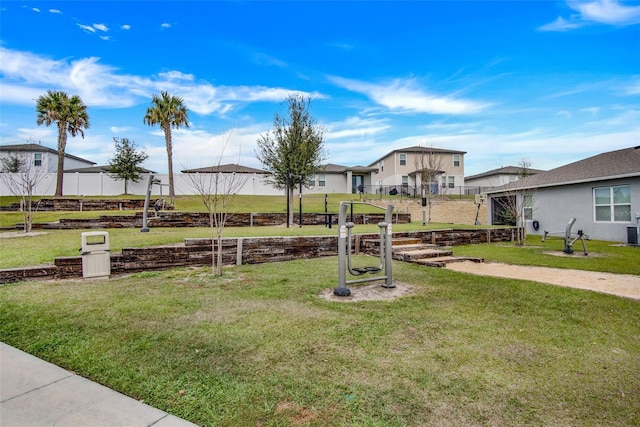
<point>145,227</point>
<point>388,248</point>
<point>288,210</point>
<point>342,246</point>
<point>301,202</point>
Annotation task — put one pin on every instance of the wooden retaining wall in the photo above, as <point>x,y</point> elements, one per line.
<point>253,250</point>
<point>201,219</point>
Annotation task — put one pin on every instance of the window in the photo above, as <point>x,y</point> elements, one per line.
<point>382,166</point>
<point>612,204</point>
<point>527,206</point>
<point>452,181</point>
<point>456,160</point>
<point>321,180</point>
<point>403,159</point>
<point>37,159</point>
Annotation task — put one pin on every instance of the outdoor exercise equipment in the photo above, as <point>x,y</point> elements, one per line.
<point>145,222</point>
<point>344,252</point>
<point>570,238</point>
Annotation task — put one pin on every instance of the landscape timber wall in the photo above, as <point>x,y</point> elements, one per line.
<point>201,219</point>
<point>237,251</point>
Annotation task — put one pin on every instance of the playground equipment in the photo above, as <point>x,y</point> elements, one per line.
<point>344,252</point>
<point>570,238</point>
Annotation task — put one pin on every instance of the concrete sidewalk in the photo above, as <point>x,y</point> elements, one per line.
<point>36,393</point>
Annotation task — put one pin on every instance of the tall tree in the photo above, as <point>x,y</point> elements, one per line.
<point>167,111</point>
<point>293,150</point>
<point>70,114</point>
<point>125,164</point>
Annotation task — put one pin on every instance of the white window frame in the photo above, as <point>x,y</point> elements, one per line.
<point>451,182</point>
<point>612,204</point>
<point>37,159</point>
<point>456,160</point>
<point>322,180</point>
<point>403,159</point>
<point>527,207</point>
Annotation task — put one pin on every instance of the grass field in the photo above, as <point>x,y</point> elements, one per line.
<point>260,347</point>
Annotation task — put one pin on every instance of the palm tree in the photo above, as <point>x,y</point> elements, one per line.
<point>168,111</point>
<point>71,116</point>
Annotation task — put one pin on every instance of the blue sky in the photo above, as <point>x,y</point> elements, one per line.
<point>548,82</point>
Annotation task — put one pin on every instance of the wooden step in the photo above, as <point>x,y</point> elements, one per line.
<point>399,241</point>
<point>443,261</point>
<point>417,254</point>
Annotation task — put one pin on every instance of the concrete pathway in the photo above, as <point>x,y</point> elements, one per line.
<point>36,393</point>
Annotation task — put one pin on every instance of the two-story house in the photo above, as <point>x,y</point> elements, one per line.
<point>403,169</point>
<point>44,157</point>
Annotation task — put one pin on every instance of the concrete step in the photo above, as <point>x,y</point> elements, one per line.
<point>413,247</point>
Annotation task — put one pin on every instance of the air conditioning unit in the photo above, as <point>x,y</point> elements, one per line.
<point>633,236</point>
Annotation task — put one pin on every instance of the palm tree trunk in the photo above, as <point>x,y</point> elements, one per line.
<point>62,144</point>
<point>167,136</point>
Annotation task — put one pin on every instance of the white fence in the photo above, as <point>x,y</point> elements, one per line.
<point>79,184</point>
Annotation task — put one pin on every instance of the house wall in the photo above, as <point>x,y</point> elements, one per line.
<point>554,206</point>
<point>49,160</point>
<point>490,181</point>
<point>390,171</point>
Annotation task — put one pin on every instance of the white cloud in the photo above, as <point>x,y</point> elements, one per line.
<point>125,27</point>
<point>26,76</point>
<point>561,24</point>
<point>35,9</point>
<point>405,95</point>
<point>87,28</point>
<point>177,75</point>
<point>56,11</point>
<point>165,25</point>
<point>101,27</point>
<point>608,12</point>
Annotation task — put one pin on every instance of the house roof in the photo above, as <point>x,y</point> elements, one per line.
<point>37,148</point>
<point>419,149</point>
<point>610,165</point>
<point>506,170</point>
<point>99,169</point>
<point>228,168</point>
<point>333,168</point>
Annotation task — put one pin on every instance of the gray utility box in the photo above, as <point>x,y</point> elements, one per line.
<point>96,254</point>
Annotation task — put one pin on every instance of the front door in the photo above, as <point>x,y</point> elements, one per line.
<point>357,184</point>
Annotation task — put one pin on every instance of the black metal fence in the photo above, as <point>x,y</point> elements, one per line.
<point>406,191</point>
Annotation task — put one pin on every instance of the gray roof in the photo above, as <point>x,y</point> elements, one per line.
<point>103,168</point>
<point>506,170</point>
<point>419,149</point>
<point>37,148</point>
<point>611,165</point>
<point>228,168</point>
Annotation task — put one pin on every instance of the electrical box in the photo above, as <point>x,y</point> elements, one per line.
<point>96,254</point>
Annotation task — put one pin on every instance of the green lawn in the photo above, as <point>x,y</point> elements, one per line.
<point>260,347</point>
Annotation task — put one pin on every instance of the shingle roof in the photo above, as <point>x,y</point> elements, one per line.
<point>613,164</point>
<point>229,168</point>
<point>506,170</point>
<point>37,148</point>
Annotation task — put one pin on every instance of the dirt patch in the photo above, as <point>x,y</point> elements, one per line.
<point>624,285</point>
<point>373,292</point>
